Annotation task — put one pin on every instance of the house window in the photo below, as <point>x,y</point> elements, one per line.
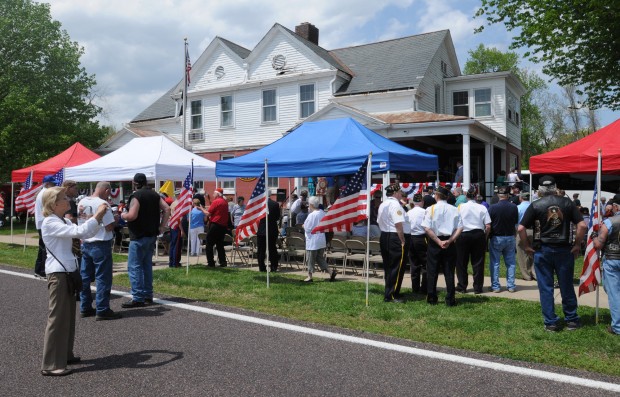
<point>306,100</point>
<point>483,102</point>
<point>444,69</point>
<point>517,118</point>
<point>196,107</point>
<point>269,106</point>
<point>226,103</point>
<point>460,103</point>
<point>272,182</point>
<point>227,183</point>
<point>437,98</point>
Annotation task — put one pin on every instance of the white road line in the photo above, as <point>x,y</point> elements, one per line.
<point>382,345</point>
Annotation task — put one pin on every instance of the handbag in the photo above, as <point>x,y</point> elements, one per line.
<point>74,277</point>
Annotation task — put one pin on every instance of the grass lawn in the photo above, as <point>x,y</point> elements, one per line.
<point>502,327</point>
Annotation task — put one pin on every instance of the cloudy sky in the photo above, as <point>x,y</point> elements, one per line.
<point>135,47</point>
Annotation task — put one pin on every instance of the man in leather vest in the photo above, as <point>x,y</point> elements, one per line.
<point>146,217</point>
<point>554,252</point>
<point>608,240</point>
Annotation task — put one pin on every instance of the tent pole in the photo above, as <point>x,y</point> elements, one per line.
<point>12,212</point>
<point>267,223</point>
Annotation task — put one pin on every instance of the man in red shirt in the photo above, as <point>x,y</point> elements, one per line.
<point>217,215</point>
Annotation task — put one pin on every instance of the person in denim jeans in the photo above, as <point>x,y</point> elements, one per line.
<point>97,256</point>
<point>608,239</point>
<point>146,217</point>
<point>551,218</point>
<point>504,218</point>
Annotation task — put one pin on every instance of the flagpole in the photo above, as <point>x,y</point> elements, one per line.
<point>28,212</point>
<point>267,223</point>
<point>185,52</point>
<point>368,204</point>
<point>188,219</point>
<point>598,219</point>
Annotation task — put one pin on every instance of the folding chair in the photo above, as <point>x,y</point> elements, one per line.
<point>375,255</point>
<point>356,252</point>
<point>337,252</point>
<point>296,248</point>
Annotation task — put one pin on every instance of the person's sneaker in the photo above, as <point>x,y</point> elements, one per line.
<point>308,280</point>
<point>88,313</point>
<point>573,325</point>
<point>108,315</point>
<point>132,303</point>
<point>40,275</point>
<point>148,301</point>
<point>552,328</point>
<point>511,290</point>
<point>496,291</point>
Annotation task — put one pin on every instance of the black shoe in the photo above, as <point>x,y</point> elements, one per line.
<point>148,301</point>
<point>224,265</point>
<point>461,290</point>
<point>451,303</point>
<point>132,303</point>
<point>477,292</point>
<point>264,270</point>
<point>573,325</point>
<point>73,360</point>
<point>332,276</point>
<point>88,313</point>
<point>108,315</point>
<point>211,265</point>
<point>273,269</point>
<point>56,372</point>
<point>552,328</point>
<point>40,275</point>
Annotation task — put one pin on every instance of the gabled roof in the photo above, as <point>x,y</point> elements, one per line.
<point>242,52</point>
<point>389,65</point>
<point>163,108</point>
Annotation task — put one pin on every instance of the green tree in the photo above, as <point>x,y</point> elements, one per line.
<point>45,94</point>
<point>486,60</point>
<point>575,40</point>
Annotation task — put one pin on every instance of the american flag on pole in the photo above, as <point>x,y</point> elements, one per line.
<point>349,208</point>
<point>184,201</point>
<point>255,210</point>
<point>59,177</point>
<point>1,203</point>
<point>27,196</point>
<point>591,273</point>
<point>188,64</point>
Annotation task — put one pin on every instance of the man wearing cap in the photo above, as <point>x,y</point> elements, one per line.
<point>504,218</point>
<point>418,247</point>
<point>472,242</point>
<point>147,215</point>
<point>390,218</point>
<point>607,240</point>
<point>551,217</point>
<point>443,226</point>
<point>39,264</point>
<point>525,261</point>
<point>217,215</point>
<point>429,199</point>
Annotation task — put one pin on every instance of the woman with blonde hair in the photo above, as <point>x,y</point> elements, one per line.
<point>57,233</point>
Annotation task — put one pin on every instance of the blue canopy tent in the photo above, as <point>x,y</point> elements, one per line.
<point>329,147</point>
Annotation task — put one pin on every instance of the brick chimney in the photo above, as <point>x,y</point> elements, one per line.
<point>308,31</point>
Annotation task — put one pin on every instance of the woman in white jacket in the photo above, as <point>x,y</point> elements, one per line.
<point>57,233</point>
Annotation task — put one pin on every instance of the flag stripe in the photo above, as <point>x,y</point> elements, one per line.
<point>184,201</point>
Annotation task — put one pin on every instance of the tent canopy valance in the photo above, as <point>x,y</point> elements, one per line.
<point>157,157</point>
<point>76,154</point>
<point>326,148</point>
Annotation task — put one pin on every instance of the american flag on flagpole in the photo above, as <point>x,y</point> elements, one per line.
<point>184,201</point>
<point>188,64</point>
<point>59,177</point>
<point>255,210</point>
<point>27,196</point>
<point>591,273</point>
<point>349,208</point>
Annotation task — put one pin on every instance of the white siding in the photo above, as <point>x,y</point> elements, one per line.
<point>298,59</point>
<point>205,78</point>
<point>379,103</point>
<point>434,76</point>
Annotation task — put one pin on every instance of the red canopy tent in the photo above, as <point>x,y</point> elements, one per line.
<point>77,154</point>
<point>580,157</point>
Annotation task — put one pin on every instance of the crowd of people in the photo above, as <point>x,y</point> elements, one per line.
<point>440,231</point>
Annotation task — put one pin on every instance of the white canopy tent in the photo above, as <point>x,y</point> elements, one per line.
<point>157,157</point>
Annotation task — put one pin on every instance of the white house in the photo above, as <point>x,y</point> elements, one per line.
<point>409,89</point>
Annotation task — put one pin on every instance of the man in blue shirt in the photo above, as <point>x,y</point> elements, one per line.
<point>504,218</point>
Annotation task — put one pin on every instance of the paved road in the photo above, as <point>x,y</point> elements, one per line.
<point>197,349</point>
